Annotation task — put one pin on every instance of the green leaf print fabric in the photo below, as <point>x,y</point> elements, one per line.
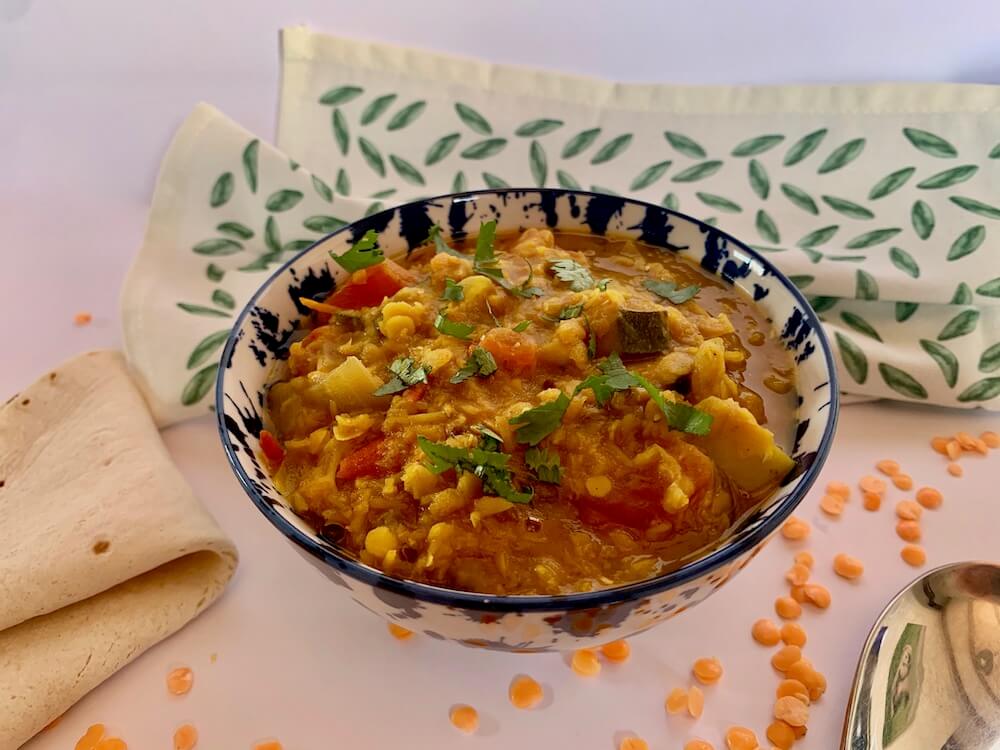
<point>881,202</point>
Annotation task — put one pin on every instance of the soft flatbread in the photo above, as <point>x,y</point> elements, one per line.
<point>104,549</point>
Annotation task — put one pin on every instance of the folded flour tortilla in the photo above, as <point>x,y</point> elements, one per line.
<point>104,549</point>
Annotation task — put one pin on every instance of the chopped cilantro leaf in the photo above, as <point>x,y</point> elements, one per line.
<point>571,311</point>
<point>544,464</point>
<point>452,327</point>
<point>488,465</point>
<point>440,245</point>
<point>541,421</point>
<point>362,254</point>
<point>577,276</point>
<point>489,439</point>
<point>486,264</point>
<point>480,362</point>
<point>668,290</point>
<point>602,284</point>
<point>453,292</point>
<point>404,374</point>
<point>591,339</point>
<point>485,252</point>
<point>615,377</point>
<point>522,326</point>
<point>679,416</point>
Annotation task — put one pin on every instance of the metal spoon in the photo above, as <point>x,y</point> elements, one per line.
<point>929,674</point>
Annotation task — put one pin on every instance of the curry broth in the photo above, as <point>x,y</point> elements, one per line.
<point>634,499</point>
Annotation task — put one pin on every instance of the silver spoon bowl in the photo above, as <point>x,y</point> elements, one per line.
<point>929,673</point>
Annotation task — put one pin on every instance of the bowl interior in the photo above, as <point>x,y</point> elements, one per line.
<point>263,331</point>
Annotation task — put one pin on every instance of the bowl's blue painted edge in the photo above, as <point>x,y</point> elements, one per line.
<point>586,600</point>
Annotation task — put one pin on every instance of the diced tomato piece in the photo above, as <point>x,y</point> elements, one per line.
<point>271,449</point>
<point>636,507</point>
<point>369,286</point>
<point>366,461</point>
<point>416,392</point>
<point>513,351</point>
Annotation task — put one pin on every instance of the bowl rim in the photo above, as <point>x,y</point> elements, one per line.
<point>505,604</point>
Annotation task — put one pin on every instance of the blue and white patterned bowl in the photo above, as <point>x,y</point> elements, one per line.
<point>524,623</point>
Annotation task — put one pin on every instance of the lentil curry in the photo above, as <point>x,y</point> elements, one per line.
<point>534,413</point>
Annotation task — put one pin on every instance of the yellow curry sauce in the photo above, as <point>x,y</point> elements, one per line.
<point>520,443</point>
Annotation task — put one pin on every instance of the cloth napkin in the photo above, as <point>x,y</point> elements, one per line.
<point>881,202</point>
<point>104,549</point>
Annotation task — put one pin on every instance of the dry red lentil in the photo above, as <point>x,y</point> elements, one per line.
<point>914,555</point>
<point>677,701</point>
<point>838,488</point>
<point>785,657</point>
<point>795,529</point>
<point>525,692</point>
<point>91,738</point>
<point>888,467</point>
<point>871,501</point>
<point>903,482</point>
<point>797,575</point>
<point>908,531</point>
<point>185,737</point>
<point>909,510</point>
<point>804,558</point>
<point>180,680</point>
<point>929,497</point>
<point>741,738</point>
<point>696,701</point>
<point>633,743</point>
<point>848,567</point>
<point>955,469</point>
<point>765,632</point>
<point>871,484</point>
<point>698,744</point>
<point>940,444</point>
<point>787,608</point>
<point>464,718</point>
<point>707,670</point>
<point>991,439</point>
<point>399,632</point>
<point>781,735</point>
<point>585,663</point>
<point>818,595</point>
<point>617,651</point>
<point>793,634</point>
<point>832,505</point>
<point>792,711</point>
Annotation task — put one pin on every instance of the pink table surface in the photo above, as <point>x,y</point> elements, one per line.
<point>94,106</point>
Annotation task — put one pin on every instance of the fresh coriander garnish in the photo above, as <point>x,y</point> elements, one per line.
<point>404,374</point>
<point>668,290</point>
<point>452,327</point>
<point>434,236</point>
<point>576,275</point>
<point>522,326</point>
<point>488,437</point>
<point>571,311</point>
<point>362,254</point>
<point>613,377</point>
<point>591,339</point>
<point>486,264</point>
<point>541,421</point>
<point>489,465</point>
<point>679,416</point>
<point>602,284</point>
<point>544,464</point>
<point>480,362</point>
<point>453,291</point>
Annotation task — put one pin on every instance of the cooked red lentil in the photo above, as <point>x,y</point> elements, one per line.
<point>553,413</point>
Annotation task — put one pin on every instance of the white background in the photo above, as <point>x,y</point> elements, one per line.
<point>90,93</point>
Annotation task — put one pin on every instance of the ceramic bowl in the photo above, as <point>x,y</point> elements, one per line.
<point>259,341</point>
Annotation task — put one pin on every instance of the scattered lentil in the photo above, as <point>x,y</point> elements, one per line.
<point>793,634</point>
<point>798,594</point>
<point>797,575</point>
<point>90,738</point>
<point>832,505</point>
<point>871,484</point>
<point>955,469</point>
<point>785,657</point>
<point>940,444</point>
<point>185,738</point>
<point>399,632</point>
<point>180,680</point>
<point>792,687</point>
<point>741,738</point>
<point>696,701</point>
<point>677,701</point>
<point>848,567</point>
<point>953,450</point>
<point>818,595</point>
<point>991,439</point>
<point>585,663</point>
<point>929,497</point>
<point>909,510</point>
<point>914,555</point>
<point>525,692</point>
<point>792,711</point>
<point>804,558</point>
<point>908,531</point>
<point>633,743</point>
<point>707,670</point>
<point>787,608</point>
<point>617,651</point>
<point>903,482</point>
<point>838,488</point>
<point>765,632</point>
<point>888,467</point>
<point>82,318</point>
<point>698,744</point>
<point>872,501</point>
<point>464,718</point>
<point>781,735</point>
<point>795,529</point>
